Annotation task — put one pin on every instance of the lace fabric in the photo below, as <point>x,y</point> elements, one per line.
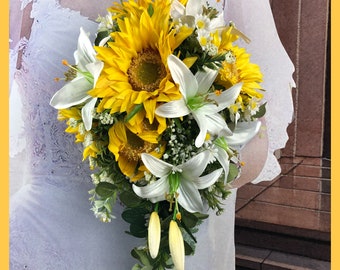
<point>51,225</point>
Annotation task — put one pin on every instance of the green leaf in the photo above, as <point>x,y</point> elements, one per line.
<point>141,255</point>
<point>233,172</point>
<point>105,189</point>
<point>134,215</point>
<point>101,35</point>
<point>150,10</point>
<point>130,199</point>
<point>261,112</point>
<point>138,230</point>
<point>189,219</point>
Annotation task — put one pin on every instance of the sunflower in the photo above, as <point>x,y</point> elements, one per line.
<point>128,147</point>
<point>238,68</point>
<point>135,70</point>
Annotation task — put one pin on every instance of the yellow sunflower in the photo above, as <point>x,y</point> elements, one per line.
<point>73,119</point>
<point>238,68</point>
<point>135,70</point>
<point>128,147</point>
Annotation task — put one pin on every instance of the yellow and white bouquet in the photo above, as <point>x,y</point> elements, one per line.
<point>162,100</point>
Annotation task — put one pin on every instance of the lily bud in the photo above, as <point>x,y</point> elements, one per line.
<point>176,245</point>
<point>154,234</point>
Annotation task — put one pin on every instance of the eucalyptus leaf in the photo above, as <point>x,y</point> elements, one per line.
<point>141,255</point>
<point>130,199</point>
<point>105,189</point>
<point>138,230</point>
<point>233,172</point>
<point>261,112</point>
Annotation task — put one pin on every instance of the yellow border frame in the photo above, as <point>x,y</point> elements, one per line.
<point>4,169</point>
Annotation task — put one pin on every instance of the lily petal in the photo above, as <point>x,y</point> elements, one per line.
<point>173,109</point>
<point>154,191</point>
<point>189,197</point>
<point>226,98</point>
<point>243,133</point>
<point>73,93</point>
<point>182,76</point>
<point>223,158</point>
<point>87,113</point>
<point>157,167</point>
<point>207,180</point>
<point>95,69</point>
<point>85,53</point>
<point>195,166</point>
<point>202,124</point>
<point>205,79</point>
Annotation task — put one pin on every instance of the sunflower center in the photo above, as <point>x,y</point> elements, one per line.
<point>146,71</point>
<point>135,147</point>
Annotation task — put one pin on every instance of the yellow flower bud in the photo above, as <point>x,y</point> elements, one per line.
<point>176,245</point>
<point>154,234</point>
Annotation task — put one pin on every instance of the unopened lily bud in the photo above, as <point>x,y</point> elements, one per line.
<point>176,245</point>
<point>154,234</point>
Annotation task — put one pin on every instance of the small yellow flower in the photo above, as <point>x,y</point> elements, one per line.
<point>154,234</point>
<point>176,245</point>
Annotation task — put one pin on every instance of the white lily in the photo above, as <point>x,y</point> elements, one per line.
<point>75,92</point>
<point>183,179</point>
<point>242,134</point>
<point>196,100</point>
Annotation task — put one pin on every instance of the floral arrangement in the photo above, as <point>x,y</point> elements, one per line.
<point>162,100</point>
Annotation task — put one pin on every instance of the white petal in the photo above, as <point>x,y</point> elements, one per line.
<point>177,9</point>
<point>73,93</point>
<point>154,191</point>
<point>195,166</point>
<point>217,22</point>
<point>173,109</point>
<point>223,158</point>
<point>157,167</point>
<point>227,97</point>
<point>85,53</point>
<point>194,7</point>
<point>243,133</point>
<point>202,124</point>
<point>207,180</point>
<point>87,113</point>
<point>95,69</point>
<point>189,197</point>
<point>216,124</point>
<point>183,76</point>
<point>205,79</point>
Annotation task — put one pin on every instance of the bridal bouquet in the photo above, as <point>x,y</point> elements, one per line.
<point>162,100</point>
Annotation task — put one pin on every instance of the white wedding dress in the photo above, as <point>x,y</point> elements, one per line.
<point>51,224</point>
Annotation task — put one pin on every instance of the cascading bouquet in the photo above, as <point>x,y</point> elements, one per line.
<point>162,101</point>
